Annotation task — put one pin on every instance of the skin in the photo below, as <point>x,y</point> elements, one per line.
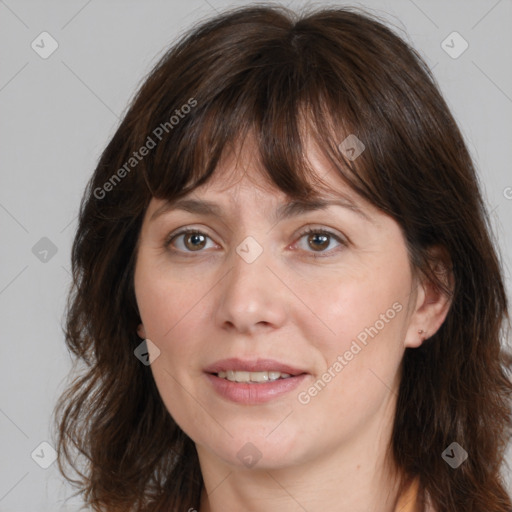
<point>201,306</point>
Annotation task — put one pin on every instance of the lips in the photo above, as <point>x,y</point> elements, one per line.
<point>250,393</point>
<point>259,365</point>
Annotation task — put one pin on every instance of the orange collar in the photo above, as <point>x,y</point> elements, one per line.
<point>407,502</point>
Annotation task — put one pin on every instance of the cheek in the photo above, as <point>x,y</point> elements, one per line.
<point>360,306</point>
<point>174,310</point>
<point>170,310</point>
<point>165,301</point>
<point>363,316</point>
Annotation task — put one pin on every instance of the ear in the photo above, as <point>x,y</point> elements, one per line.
<point>141,332</point>
<point>432,301</point>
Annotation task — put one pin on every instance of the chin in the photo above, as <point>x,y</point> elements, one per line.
<point>252,449</point>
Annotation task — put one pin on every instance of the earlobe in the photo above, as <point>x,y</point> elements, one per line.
<point>141,332</point>
<point>433,300</point>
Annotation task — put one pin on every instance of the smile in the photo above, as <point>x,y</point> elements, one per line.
<point>255,381</point>
<point>256,377</point>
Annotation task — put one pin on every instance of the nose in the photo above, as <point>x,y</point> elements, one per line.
<point>252,296</point>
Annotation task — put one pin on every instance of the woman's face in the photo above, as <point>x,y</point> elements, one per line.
<point>248,289</point>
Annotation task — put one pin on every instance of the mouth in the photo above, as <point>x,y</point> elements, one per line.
<point>259,370</point>
<point>252,377</point>
<point>253,382</point>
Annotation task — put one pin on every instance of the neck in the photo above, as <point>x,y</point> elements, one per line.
<point>355,477</point>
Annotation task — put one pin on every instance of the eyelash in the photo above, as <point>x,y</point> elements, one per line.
<point>309,231</point>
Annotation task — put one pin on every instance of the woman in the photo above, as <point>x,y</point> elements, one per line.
<point>285,289</point>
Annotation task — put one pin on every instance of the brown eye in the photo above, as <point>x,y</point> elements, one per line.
<point>194,241</point>
<point>318,241</point>
<point>188,241</point>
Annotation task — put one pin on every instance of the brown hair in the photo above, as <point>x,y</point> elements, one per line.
<point>267,71</point>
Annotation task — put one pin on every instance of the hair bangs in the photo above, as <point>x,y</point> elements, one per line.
<point>280,109</point>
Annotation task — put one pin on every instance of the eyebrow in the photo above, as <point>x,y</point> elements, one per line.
<point>290,209</point>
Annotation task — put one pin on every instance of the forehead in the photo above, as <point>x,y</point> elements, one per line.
<point>240,179</point>
<point>240,169</point>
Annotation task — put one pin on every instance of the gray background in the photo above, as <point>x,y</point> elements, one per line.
<point>57,114</point>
